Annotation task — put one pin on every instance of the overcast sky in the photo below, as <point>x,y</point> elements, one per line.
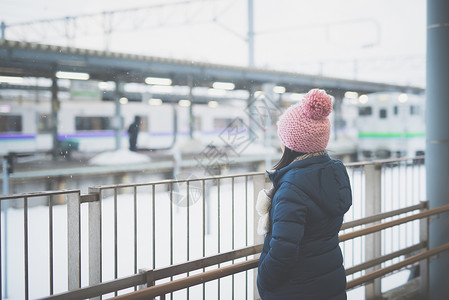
<point>382,40</point>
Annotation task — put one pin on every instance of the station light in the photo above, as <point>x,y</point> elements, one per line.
<point>403,98</point>
<point>216,92</point>
<point>72,75</point>
<point>212,103</point>
<point>184,103</point>
<point>363,99</point>
<point>223,85</point>
<point>158,81</point>
<point>155,101</point>
<point>11,79</point>
<point>279,89</point>
<point>123,100</point>
<point>351,95</point>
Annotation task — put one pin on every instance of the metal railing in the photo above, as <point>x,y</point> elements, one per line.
<point>122,237</point>
<point>189,219</point>
<point>30,231</point>
<point>422,248</point>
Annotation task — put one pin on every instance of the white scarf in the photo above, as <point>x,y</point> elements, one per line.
<point>263,204</point>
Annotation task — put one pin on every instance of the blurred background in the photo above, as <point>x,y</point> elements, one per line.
<point>365,40</point>
<point>74,75</point>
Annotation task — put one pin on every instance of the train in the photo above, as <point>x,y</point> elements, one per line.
<point>387,125</point>
<point>381,125</point>
<point>27,126</point>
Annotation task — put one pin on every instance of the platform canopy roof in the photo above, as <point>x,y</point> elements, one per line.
<point>40,60</point>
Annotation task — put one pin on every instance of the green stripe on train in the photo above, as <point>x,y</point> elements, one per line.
<point>391,135</point>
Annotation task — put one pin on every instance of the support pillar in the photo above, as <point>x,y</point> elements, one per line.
<point>191,117</point>
<point>95,239</point>
<point>74,241</point>
<point>6,170</point>
<point>437,133</point>
<point>250,111</point>
<point>118,124</point>
<point>3,30</point>
<point>251,33</point>
<point>54,116</point>
<point>267,116</point>
<point>338,115</point>
<point>373,242</point>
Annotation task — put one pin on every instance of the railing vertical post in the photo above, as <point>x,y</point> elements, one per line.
<point>149,275</point>
<point>149,281</point>
<point>6,169</point>
<point>94,239</point>
<point>424,264</point>
<point>259,184</point>
<point>74,240</point>
<point>373,247</point>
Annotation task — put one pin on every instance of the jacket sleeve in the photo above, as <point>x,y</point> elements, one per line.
<point>288,215</point>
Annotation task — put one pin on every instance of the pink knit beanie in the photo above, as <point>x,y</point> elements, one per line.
<point>305,127</point>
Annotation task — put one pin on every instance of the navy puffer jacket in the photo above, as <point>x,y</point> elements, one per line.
<point>301,258</point>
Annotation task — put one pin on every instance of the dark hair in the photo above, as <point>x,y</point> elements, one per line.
<point>286,159</point>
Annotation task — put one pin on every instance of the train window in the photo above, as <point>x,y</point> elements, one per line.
<point>93,123</point>
<point>10,123</point>
<point>414,110</point>
<point>44,123</point>
<point>382,113</point>
<point>197,123</point>
<point>365,111</point>
<point>395,110</point>
<point>222,123</point>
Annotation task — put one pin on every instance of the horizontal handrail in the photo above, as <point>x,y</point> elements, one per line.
<point>38,194</point>
<point>378,227</point>
<point>175,285</point>
<point>408,261</point>
<point>382,161</point>
<point>206,262</point>
<point>156,274</point>
<point>192,280</point>
<point>384,258</point>
<point>381,216</point>
<point>101,288</point>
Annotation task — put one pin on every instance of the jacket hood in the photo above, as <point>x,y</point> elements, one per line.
<point>324,180</point>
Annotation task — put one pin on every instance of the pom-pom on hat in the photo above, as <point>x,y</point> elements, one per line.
<point>305,127</point>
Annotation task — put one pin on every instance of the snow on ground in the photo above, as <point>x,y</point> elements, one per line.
<point>122,156</point>
<point>38,237</point>
<point>190,146</point>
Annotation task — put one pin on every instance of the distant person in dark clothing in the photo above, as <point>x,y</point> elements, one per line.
<point>133,131</point>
